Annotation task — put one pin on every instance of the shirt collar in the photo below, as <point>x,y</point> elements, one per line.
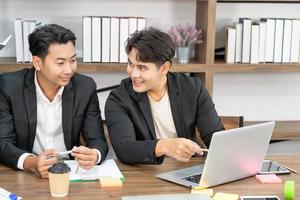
<point>41,94</point>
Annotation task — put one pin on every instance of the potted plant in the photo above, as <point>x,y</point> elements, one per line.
<point>184,38</point>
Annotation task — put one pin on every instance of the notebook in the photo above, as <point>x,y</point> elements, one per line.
<point>107,169</point>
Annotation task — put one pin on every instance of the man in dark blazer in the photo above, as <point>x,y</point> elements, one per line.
<point>154,112</point>
<point>45,109</point>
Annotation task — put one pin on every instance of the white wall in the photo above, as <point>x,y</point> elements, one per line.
<point>256,96</point>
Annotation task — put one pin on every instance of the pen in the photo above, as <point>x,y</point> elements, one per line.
<point>59,155</point>
<point>65,153</point>
<point>8,195</point>
<point>77,168</point>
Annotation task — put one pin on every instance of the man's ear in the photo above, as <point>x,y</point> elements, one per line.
<point>37,63</point>
<point>164,68</point>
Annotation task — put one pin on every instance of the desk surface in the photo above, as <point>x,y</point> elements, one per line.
<point>140,179</point>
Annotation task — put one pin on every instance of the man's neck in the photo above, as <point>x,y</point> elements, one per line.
<point>49,90</point>
<point>157,93</point>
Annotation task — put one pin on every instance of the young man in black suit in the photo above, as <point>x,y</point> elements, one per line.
<point>43,110</point>
<point>154,112</point>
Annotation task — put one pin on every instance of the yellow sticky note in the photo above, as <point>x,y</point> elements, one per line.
<point>225,196</point>
<point>110,182</point>
<point>196,190</point>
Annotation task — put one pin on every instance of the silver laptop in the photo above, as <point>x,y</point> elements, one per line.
<point>233,154</point>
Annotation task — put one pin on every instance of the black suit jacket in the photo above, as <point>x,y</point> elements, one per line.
<point>130,124</point>
<point>18,115</point>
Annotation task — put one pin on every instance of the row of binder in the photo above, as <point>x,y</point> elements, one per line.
<point>270,40</point>
<point>104,38</point>
<point>22,30</point>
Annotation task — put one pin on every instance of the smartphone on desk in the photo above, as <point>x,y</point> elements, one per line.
<point>271,167</point>
<point>259,198</point>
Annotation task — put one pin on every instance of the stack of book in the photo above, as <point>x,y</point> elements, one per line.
<point>22,30</point>
<point>269,40</point>
<point>104,38</point>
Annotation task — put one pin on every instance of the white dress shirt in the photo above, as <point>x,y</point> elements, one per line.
<point>49,131</point>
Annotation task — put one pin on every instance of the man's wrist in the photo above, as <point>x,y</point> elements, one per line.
<point>20,164</point>
<point>98,156</point>
<point>30,163</point>
<point>160,148</point>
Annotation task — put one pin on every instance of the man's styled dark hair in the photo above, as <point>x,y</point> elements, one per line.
<point>42,37</point>
<point>152,46</point>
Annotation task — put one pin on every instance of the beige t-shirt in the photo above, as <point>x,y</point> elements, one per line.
<point>162,117</point>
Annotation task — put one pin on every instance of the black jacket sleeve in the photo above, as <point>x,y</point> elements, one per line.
<point>9,153</point>
<point>128,147</point>
<point>92,130</point>
<point>208,120</point>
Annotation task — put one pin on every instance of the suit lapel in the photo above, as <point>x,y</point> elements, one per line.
<point>175,102</point>
<point>67,114</point>
<point>146,110</point>
<point>31,106</point>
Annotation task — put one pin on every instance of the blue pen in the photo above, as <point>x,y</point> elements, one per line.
<point>8,195</point>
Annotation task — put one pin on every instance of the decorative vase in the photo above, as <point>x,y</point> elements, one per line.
<point>183,54</point>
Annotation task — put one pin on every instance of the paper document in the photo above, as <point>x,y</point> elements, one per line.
<point>107,168</point>
<point>2,44</point>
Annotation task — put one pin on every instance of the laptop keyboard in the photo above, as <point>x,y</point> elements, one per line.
<point>194,178</point>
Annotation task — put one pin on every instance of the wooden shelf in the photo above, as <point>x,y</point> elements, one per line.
<point>221,66</point>
<point>284,130</point>
<point>9,65</point>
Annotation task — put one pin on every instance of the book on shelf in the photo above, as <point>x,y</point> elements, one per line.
<point>254,43</point>
<point>124,34</point>
<point>19,40</point>
<point>141,23</point>
<point>132,25</point>
<point>295,41</point>
<point>105,48</point>
<point>238,42</point>
<point>4,43</point>
<point>278,40</point>
<point>270,37</point>
<point>104,37</point>
<point>262,42</point>
<point>287,38</point>
<point>246,40</point>
<point>230,45</point>
<point>114,39</point>
<point>272,40</point>
<point>96,39</point>
<point>26,30</point>
<point>87,39</point>
<point>22,30</point>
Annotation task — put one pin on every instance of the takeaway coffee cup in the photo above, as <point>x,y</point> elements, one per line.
<point>59,179</point>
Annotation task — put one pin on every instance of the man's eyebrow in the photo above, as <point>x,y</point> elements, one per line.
<point>60,59</point>
<point>65,58</point>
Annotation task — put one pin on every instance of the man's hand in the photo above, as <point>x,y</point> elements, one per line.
<point>41,163</point>
<point>181,149</point>
<point>86,157</point>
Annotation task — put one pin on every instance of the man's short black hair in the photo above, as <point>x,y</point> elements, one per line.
<point>42,37</point>
<point>152,46</point>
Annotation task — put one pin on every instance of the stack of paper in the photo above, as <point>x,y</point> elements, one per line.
<point>107,169</point>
